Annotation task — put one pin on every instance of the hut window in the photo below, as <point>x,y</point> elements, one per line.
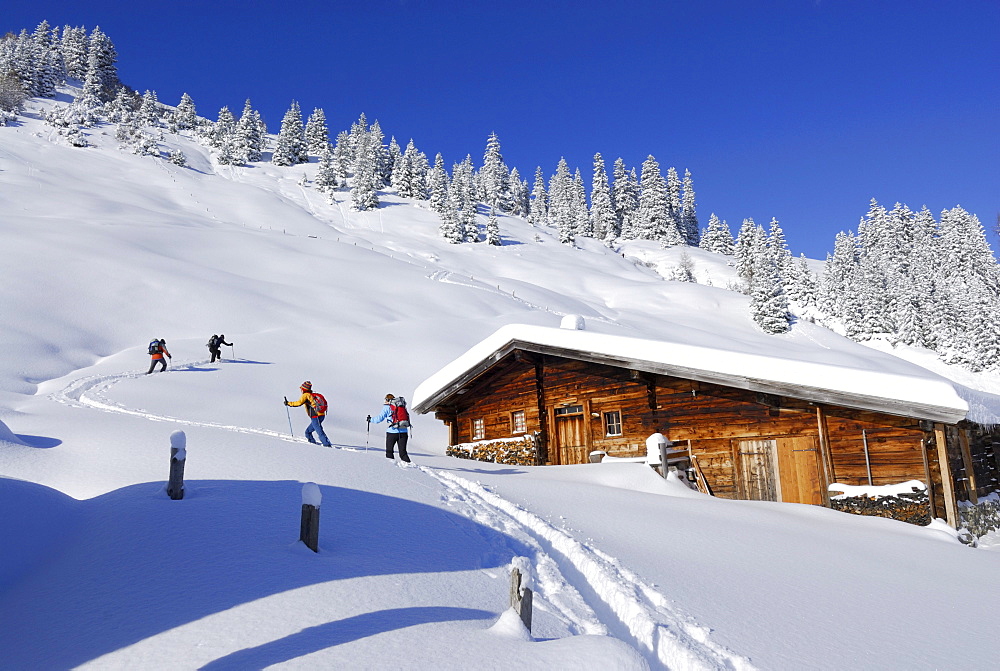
<point>613,423</point>
<point>478,429</point>
<point>517,424</point>
<point>569,410</point>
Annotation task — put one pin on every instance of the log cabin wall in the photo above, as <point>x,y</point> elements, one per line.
<point>720,422</point>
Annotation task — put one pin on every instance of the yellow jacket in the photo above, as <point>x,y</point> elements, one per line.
<point>307,400</point>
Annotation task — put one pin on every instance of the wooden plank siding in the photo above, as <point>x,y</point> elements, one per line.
<point>820,443</point>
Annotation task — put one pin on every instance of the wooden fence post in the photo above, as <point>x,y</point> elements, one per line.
<point>309,527</point>
<point>520,599</point>
<point>178,456</point>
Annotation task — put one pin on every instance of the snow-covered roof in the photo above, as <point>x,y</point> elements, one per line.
<point>908,391</point>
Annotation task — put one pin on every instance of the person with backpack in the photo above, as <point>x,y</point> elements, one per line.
<point>316,407</point>
<point>394,411</point>
<point>215,344</point>
<point>157,349</point>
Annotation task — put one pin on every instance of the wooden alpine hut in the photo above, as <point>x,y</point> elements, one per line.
<point>742,426</point>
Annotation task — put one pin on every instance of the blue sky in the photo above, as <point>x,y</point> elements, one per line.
<point>802,110</point>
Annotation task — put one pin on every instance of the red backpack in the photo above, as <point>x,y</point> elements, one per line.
<point>400,415</point>
<point>319,404</point>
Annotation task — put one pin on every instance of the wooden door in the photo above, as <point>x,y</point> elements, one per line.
<point>757,468</point>
<point>570,439</point>
<point>799,470</point>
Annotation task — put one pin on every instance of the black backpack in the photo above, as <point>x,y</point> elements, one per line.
<point>213,342</point>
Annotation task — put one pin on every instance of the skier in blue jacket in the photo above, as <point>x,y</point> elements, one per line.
<point>394,411</point>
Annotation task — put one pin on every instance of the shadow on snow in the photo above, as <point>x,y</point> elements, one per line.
<point>132,563</point>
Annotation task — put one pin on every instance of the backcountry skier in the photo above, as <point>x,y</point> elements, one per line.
<point>316,407</point>
<point>215,344</point>
<point>157,349</point>
<point>398,417</point>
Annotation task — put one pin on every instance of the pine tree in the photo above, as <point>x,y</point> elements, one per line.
<point>379,155</point>
<point>750,243</point>
<point>494,176</point>
<point>451,228</point>
<point>493,229</point>
<point>317,134</point>
<point>674,207</point>
<point>438,180</point>
<point>149,109</point>
<point>342,155</point>
<point>561,201</point>
<point>102,56</point>
<point>689,215</point>
<point>290,147</point>
<point>538,208</point>
<point>119,110</point>
<point>224,139</point>
<point>248,139</point>
<point>186,117</point>
<point>581,215</point>
<point>326,174</point>
<point>74,48</point>
<point>602,212</point>
<point>625,197</point>
<point>655,221</point>
<point>768,302</point>
<point>717,238</point>
<point>364,194</point>
<point>517,194</point>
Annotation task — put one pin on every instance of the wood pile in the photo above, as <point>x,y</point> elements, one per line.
<point>516,453</point>
<point>905,507</point>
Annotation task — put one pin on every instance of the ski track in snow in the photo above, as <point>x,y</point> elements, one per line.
<point>665,634</point>
<point>658,628</point>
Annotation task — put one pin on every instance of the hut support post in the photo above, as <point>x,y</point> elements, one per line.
<point>542,444</point>
<point>963,440</point>
<point>824,451</point>
<point>929,481</point>
<point>947,483</point>
<point>868,461</point>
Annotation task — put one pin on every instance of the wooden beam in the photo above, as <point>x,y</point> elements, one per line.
<point>928,479</point>
<point>542,453</point>
<point>824,451</point>
<point>947,482</point>
<point>963,441</point>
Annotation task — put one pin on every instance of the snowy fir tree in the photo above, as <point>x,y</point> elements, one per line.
<point>102,56</point>
<point>250,136</point>
<point>462,195</point>
<point>768,302</point>
<point>602,211</point>
<point>223,138</point>
<point>438,182</point>
<point>317,133</point>
<point>121,108</point>
<point>779,248</point>
<point>186,117</point>
<point>674,204</point>
<point>290,146</point>
<point>379,155</point>
<point>562,199</point>
<point>74,47</point>
<point>493,229</point>
<point>451,227</point>
<point>326,179</point>
<point>717,237</point>
<point>149,109</point>
<point>410,176</point>
<point>683,271</point>
<point>343,154</point>
<point>582,224</point>
<point>801,285</point>
<point>625,197</point>
<point>655,221</point>
<point>751,243</point>
<point>689,215</point>
<point>519,194</point>
<point>493,177</point>
<point>364,189</point>
<point>538,207</point>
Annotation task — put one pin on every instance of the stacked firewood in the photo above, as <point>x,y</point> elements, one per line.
<point>517,453</point>
<point>905,507</point>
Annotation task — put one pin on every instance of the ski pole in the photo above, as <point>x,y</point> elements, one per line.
<point>288,412</point>
<point>233,347</point>
<point>368,433</point>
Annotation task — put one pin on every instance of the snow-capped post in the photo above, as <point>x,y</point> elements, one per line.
<point>656,451</point>
<point>520,597</point>
<point>178,455</point>
<point>309,529</point>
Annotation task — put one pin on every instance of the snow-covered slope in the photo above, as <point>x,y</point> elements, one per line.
<point>102,250</point>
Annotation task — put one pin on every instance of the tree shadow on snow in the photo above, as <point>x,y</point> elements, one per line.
<point>314,639</point>
<point>140,564</point>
